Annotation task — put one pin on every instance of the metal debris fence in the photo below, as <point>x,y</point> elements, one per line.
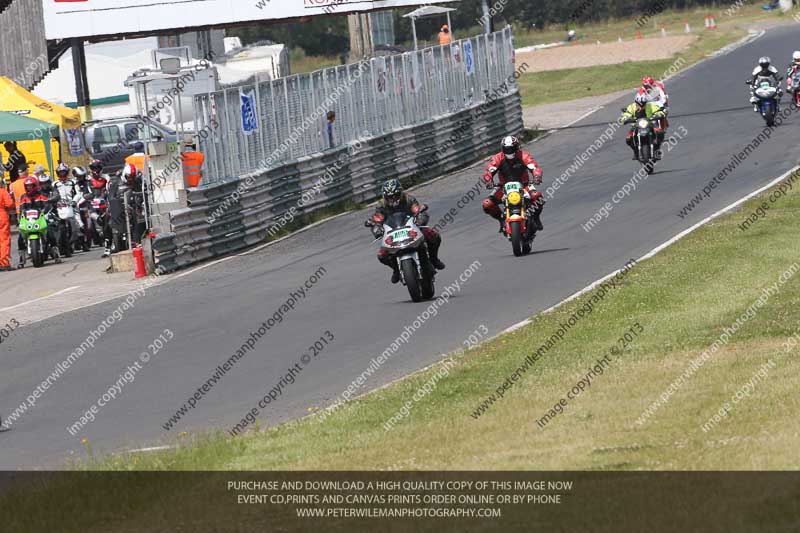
<point>271,123</point>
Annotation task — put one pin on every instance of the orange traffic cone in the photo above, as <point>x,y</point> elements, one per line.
<point>638,35</point>
<point>712,25</point>
<point>686,27</point>
<point>663,31</point>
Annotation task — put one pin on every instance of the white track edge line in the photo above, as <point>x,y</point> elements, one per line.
<point>62,291</point>
<point>589,287</point>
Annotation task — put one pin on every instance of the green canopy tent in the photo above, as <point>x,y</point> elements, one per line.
<point>15,127</point>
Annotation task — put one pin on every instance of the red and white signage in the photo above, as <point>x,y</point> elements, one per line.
<point>88,18</point>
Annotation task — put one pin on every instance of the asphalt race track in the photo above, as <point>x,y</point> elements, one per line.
<point>211,312</point>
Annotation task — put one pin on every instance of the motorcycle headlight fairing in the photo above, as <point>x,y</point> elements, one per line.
<point>643,123</point>
<point>514,198</point>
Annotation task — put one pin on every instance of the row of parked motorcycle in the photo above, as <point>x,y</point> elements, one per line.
<point>75,225</point>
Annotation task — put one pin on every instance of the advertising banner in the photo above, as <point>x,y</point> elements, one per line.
<point>469,58</point>
<point>247,101</point>
<point>87,18</point>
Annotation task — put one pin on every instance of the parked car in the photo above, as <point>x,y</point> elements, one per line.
<point>111,141</point>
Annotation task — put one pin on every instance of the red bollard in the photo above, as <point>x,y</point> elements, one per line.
<point>139,270</point>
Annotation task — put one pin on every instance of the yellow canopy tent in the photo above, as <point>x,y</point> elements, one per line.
<point>71,148</point>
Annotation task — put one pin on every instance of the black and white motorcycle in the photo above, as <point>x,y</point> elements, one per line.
<point>404,240</point>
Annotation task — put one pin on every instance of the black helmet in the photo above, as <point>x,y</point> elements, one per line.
<point>96,165</point>
<point>79,173</point>
<point>392,191</point>
<point>764,61</point>
<point>138,147</point>
<point>62,170</point>
<point>510,146</point>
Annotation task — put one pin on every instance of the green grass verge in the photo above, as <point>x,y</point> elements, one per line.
<point>671,19</point>
<point>683,298</point>
<point>561,85</point>
<point>301,63</point>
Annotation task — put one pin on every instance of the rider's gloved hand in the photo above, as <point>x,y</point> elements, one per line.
<point>377,232</point>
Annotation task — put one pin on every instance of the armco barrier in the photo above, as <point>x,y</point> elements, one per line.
<point>216,223</point>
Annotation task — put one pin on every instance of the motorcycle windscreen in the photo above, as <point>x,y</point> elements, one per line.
<point>397,220</point>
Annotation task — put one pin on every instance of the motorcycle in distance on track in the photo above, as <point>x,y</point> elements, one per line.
<point>404,240</point>
<point>644,139</point>
<point>66,219</point>
<point>33,228</point>
<point>794,88</point>
<point>767,94</point>
<point>517,212</point>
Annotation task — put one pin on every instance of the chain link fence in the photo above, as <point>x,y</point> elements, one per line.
<point>271,123</point>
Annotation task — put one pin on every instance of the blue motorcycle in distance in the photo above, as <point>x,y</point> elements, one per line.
<point>766,91</point>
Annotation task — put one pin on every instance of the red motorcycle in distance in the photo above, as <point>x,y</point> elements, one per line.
<point>793,86</point>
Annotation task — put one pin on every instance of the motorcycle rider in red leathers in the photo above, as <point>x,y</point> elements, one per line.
<point>43,201</point>
<point>98,182</point>
<point>792,69</point>
<point>513,163</point>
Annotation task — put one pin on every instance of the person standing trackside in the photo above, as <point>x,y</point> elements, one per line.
<point>15,160</point>
<point>444,36</point>
<point>18,191</point>
<point>192,164</point>
<point>329,128</point>
<point>6,206</point>
<point>17,187</point>
<point>138,158</point>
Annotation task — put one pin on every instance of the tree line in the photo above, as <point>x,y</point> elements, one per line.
<point>329,35</point>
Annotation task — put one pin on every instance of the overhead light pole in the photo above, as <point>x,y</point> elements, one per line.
<point>488,24</point>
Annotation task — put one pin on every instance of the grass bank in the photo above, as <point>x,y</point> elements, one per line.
<point>568,84</point>
<point>673,307</point>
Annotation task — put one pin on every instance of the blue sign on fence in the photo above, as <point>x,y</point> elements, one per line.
<point>247,99</point>
<point>469,58</point>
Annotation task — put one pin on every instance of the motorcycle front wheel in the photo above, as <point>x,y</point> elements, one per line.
<point>64,241</point>
<point>37,256</point>
<point>516,238</point>
<point>769,116</point>
<point>409,267</point>
<point>647,158</point>
<point>428,289</point>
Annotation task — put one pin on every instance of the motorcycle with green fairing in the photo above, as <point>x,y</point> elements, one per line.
<point>33,227</point>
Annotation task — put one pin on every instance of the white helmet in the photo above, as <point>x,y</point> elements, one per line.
<point>640,99</point>
<point>129,171</point>
<point>796,56</point>
<point>510,146</point>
